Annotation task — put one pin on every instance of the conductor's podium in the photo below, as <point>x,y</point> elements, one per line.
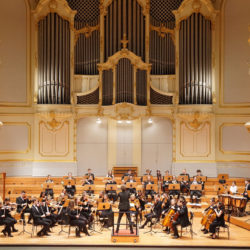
<point>124,235</point>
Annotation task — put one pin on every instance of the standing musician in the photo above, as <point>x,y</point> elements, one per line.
<point>174,192</point>
<point>75,219</point>
<point>49,191</point>
<point>89,173</point>
<point>247,188</point>
<point>207,217</point>
<point>155,212</point>
<point>183,216</point>
<point>131,180</point>
<point>40,219</point>
<point>22,206</point>
<point>184,184</point>
<point>195,194</point>
<point>9,207</point>
<point>4,220</point>
<point>166,183</point>
<point>124,208</point>
<point>149,192</point>
<point>70,189</point>
<point>112,194</point>
<point>219,221</point>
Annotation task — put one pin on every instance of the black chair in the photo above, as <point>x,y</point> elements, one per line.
<point>189,226</point>
<point>225,228</point>
<point>34,228</point>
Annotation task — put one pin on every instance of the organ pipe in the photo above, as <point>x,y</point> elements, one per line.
<point>53,60</point>
<point>195,60</point>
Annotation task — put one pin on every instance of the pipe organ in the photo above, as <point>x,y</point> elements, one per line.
<point>123,43</point>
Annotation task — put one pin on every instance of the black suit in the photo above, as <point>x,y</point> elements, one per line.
<point>111,193</point>
<point>6,221</point>
<point>22,207</point>
<point>182,219</point>
<point>124,208</point>
<point>247,187</point>
<point>39,220</point>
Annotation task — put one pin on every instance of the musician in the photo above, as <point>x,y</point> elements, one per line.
<point>195,194</point>
<point>39,218</point>
<point>75,219</point>
<point>112,194</point>
<point>131,180</point>
<point>42,196</point>
<point>199,173</point>
<point>127,174</point>
<point>219,221</point>
<point>174,192</point>
<point>9,207</point>
<point>142,202</point>
<point>110,174</point>
<point>158,175</point>
<point>184,184</point>
<point>149,192</point>
<point>233,189</point>
<point>49,191</point>
<point>148,173</point>
<point>247,188</point>
<point>172,206</point>
<point>211,206</point>
<point>70,189</point>
<point>86,210</point>
<point>22,206</point>
<point>183,216</point>
<point>106,214</point>
<point>155,212</point>
<point>49,212</point>
<point>4,220</point>
<point>166,182</point>
<point>124,208</point>
<point>89,173</point>
<point>166,199</point>
<point>89,181</point>
<point>134,208</point>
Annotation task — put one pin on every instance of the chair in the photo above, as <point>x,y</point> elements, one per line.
<point>190,226</point>
<point>34,228</point>
<point>226,227</point>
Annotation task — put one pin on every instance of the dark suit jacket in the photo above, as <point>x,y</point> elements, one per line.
<point>36,213</point>
<point>20,201</point>
<point>124,200</point>
<point>183,217</point>
<point>158,208</point>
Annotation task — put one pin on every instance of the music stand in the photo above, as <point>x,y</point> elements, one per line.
<point>131,185</point>
<point>174,187</point>
<point>145,178</point>
<point>183,178</point>
<point>89,187</point>
<point>151,187</point>
<point>196,187</point>
<point>168,178</point>
<point>111,187</point>
<point>201,178</point>
<point>69,182</point>
<point>48,185</point>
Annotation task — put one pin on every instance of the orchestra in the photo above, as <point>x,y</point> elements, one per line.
<point>168,207</point>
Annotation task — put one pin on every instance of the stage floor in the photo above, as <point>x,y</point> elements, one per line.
<point>239,237</point>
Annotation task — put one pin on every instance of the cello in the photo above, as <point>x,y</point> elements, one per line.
<point>208,218</point>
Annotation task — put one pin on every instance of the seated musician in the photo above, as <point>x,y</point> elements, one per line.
<point>184,184</point>
<point>4,220</point>
<point>8,208</point>
<point>158,175</point>
<point>110,174</point>
<point>89,181</point>
<point>174,192</point>
<point>166,182</point>
<point>247,188</point>
<point>142,202</point>
<point>106,214</point>
<point>131,180</point>
<point>22,206</point>
<point>199,173</point>
<point>86,210</point>
<point>112,194</point>
<point>134,208</point>
<point>148,173</point>
<point>233,189</point>
<point>42,196</point>
<point>195,194</point>
<point>219,221</point>
<point>70,189</point>
<point>49,191</point>
<point>211,206</point>
<point>149,192</point>
<point>75,219</point>
<point>165,203</point>
<point>127,174</point>
<point>155,212</point>
<point>89,173</point>
<point>183,216</point>
<point>39,218</point>
<point>172,206</point>
<point>49,212</point>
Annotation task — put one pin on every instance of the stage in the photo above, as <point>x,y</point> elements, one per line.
<point>239,238</point>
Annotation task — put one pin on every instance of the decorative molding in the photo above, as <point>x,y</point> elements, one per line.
<point>60,7</point>
<point>230,152</point>
<point>163,31</point>
<point>87,31</point>
<point>29,137</point>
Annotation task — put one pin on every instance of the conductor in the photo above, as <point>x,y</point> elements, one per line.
<point>124,208</point>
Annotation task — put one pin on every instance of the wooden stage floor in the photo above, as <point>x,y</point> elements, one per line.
<point>239,237</point>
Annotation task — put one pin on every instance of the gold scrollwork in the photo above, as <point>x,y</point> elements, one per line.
<point>87,31</point>
<point>163,31</point>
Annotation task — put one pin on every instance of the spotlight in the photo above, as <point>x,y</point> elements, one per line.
<point>98,120</point>
<point>119,121</point>
<point>1,124</point>
<point>128,122</point>
<point>247,125</point>
<point>150,121</point>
